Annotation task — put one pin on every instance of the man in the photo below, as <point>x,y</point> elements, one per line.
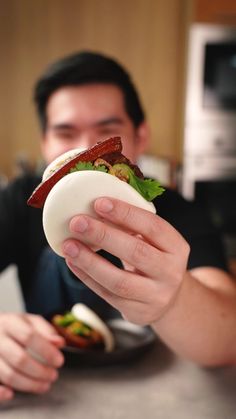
<point>175,276</point>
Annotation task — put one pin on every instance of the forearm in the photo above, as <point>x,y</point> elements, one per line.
<point>201,323</point>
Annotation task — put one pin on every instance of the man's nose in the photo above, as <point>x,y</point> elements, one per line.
<point>86,140</point>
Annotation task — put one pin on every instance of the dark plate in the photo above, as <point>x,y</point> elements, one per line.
<point>132,341</point>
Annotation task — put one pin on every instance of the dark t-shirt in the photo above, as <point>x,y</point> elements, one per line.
<point>46,282</point>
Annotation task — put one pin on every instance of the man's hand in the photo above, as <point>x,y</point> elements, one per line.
<point>155,257</point>
<point>29,354</point>
<point>194,313</point>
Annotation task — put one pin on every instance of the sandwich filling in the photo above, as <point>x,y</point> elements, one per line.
<point>119,166</point>
<point>105,156</point>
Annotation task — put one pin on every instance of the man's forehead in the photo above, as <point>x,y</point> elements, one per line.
<point>81,105</point>
<point>100,94</point>
<point>87,92</point>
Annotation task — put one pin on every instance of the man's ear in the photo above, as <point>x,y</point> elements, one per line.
<point>142,138</point>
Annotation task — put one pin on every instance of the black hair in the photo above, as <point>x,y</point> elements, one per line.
<point>87,67</point>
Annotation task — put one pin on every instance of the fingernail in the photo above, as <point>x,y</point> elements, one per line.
<point>80,224</point>
<point>104,205</point>
<point>70,249</point>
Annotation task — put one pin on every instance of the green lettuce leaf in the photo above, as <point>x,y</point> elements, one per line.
<point>148,188</point>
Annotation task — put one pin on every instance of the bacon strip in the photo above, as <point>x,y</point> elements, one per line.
<point>39,195</point>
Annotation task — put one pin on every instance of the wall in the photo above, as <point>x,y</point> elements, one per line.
<point>215,11</point>
<point>147,36</point>
<point>11,298</point>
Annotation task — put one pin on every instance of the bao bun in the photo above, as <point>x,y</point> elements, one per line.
<point>75,194</point>
<point>89,317</point>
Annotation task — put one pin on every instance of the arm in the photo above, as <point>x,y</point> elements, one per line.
<point>200,325</point>
<point>185,308</point>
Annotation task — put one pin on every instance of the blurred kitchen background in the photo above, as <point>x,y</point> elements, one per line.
<point>182,55</point>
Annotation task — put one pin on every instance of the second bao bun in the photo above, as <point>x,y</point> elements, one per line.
<point>75,194</point>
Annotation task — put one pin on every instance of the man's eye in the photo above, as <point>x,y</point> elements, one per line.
<point>65,134</point>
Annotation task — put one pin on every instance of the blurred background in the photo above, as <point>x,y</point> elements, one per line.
<point>182,55</point>
<point>147,36</point>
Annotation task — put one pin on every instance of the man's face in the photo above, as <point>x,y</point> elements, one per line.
<point>78,117</point>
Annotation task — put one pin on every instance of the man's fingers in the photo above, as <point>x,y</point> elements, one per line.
<point>95,286</point>
<point>11,378</point>
<point>18,358</point>
<point>132,310</point>
<point>155,229</point>
<point>123,284</point>
<point>26,335</point>
<point>137,252</point>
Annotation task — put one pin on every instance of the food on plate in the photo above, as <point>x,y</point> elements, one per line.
<point>73,181</point>
<point>83,328</point>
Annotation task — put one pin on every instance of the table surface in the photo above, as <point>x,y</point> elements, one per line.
<point>158,385</point>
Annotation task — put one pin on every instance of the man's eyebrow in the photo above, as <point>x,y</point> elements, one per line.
<point>62,126</point>
<point>102,122</point>
<point>108,121</point>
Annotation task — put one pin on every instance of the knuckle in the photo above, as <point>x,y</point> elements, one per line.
<point>127,215</point>
<point>140,251</point>
<point>156,228</point>
<point>186,248</point>
<point>183,246</point>
<point>27,335</point>
<point>122,288</point>
<point>20,360</point>
<point>101,234</point>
